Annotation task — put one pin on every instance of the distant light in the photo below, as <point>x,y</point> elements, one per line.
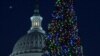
<point>10,7</point>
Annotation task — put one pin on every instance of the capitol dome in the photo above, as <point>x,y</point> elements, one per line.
<point>29,44</point>
<point>32,43</point>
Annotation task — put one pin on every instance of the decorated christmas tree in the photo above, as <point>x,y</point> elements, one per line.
<point>63,38</point>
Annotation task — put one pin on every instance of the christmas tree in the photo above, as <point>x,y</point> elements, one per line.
<point>63,39</point>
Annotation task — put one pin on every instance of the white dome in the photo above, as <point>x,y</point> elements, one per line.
<point>30,44</point>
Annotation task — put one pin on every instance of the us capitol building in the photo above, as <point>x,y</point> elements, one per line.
<point>32,43</point>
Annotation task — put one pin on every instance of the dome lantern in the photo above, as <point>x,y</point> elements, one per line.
<point>36,20</point>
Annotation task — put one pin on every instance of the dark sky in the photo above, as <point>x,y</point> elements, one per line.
<point>15,22</point>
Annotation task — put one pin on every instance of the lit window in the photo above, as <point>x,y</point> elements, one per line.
<point>36,23</point>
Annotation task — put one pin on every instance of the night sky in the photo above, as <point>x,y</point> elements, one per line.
<point>15,22</point>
